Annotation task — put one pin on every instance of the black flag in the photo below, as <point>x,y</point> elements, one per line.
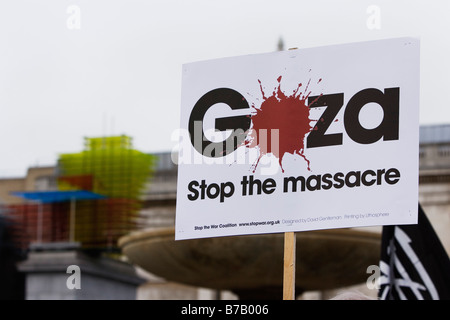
<point>414,265</point>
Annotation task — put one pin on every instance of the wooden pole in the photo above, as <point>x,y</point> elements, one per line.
<point>289,262</point>
<point>289,266</point>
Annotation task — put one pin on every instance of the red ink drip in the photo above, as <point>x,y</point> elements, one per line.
<point>262,91</point>
<point>287,114</point>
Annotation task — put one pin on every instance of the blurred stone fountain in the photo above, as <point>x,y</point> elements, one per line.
<point>249,266</point>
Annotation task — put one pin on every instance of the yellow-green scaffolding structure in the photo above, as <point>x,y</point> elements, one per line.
<point>111,167</point>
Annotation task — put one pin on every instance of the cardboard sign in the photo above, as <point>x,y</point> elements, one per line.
<point>300,140</point>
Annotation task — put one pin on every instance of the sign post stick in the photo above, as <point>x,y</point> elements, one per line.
<point>289,266</point>
<point>289,262</point>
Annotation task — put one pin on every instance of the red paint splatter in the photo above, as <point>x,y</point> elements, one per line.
<point>287,114</point>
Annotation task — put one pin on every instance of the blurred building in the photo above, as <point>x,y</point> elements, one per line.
<point>158,210</point>
<point>72,215</point>
<point>434,178</point>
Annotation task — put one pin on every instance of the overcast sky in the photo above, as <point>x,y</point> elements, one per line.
<point>83,68</point>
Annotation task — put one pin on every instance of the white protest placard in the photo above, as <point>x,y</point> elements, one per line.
<point>299,140</point>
